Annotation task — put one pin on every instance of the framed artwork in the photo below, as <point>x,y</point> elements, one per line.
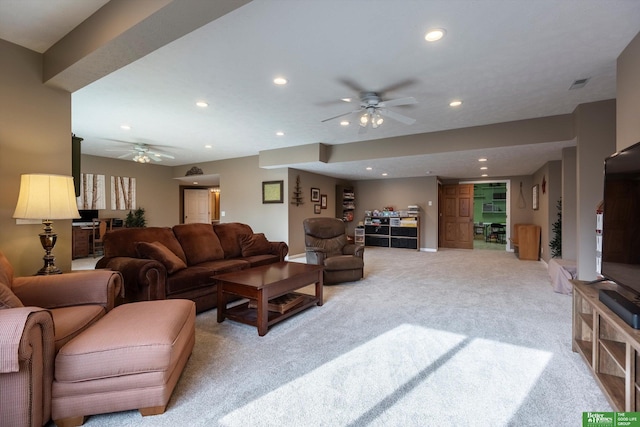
<point>316,208</point>
<point>323,201</point>
<point>123,193</point>
<point>315,194</point>
<point>92,192</point>
<point>534,201</point>
<point>272,191</point>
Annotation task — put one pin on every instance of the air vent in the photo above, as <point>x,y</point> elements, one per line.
<point>580,83</point>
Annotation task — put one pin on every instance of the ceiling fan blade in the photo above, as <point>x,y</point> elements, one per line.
<point>397,86</point>
<point>341,115</point>
<point>155,157</point>
<point>155,153</point>
<point>125,155</point>
<point>352,85</point>
<point>396,116</point>
<point>398,101</point>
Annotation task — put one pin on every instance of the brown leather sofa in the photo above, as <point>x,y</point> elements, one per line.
<point>326,244</point>
<point>38,316</point>
<point>179,262</point>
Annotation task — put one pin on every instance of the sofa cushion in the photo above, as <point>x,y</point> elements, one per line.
<point>201,275</point>
<point>7,298</point>
<point>343,262</point>
<point>161,253</point>
<point>229,234</point>
<point>113,348</point>
<point>6,271</point>
<point>199,242</point>
<point>332,247</point>
<point>122,242</point>
<point>70,321</point>
<point>254,244</point>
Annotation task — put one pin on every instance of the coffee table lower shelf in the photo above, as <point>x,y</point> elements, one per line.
<point>249,316</point>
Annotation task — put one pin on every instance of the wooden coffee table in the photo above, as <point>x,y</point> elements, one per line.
<point>262,284</point>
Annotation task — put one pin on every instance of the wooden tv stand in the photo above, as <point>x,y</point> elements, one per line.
<point>609,346</point>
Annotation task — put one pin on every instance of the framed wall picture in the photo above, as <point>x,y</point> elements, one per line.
<point>535,197</point>
<point>315,194</point>
<point>272,191</point>
<point>316,208</point>
<point>323,201</point>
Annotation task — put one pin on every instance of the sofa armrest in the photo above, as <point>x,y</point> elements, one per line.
<point>352,249</point>
<point>23,331</point>
<point>315,255</point>
<point>144,279</point>
<point>63,290</point>
<point>279,248</point>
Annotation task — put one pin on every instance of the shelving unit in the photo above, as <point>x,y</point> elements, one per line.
<point>345,203</point>
<point>609,346</point>
<point>392,232</point>
<point>358,235</point>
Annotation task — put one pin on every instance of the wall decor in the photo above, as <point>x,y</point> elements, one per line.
<point>123,193</point>
<point>534,201</point>
<point>316,208</point>
<point>297,198</point>
<point>323,201</point>
<point>92,192</point>
<point>272,191</point>
<point>315,194</point>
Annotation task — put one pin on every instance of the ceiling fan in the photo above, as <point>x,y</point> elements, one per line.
<point>143,153</point>
<point>374,108</point>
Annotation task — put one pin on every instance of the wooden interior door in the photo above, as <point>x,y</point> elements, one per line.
<point>197,206</point>
<point>456,216</point>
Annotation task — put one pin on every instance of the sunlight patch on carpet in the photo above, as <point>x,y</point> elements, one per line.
<point>407,374</point>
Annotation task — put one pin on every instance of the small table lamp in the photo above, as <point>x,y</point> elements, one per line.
<point>47,197</point>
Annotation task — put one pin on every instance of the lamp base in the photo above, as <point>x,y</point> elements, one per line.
<point>48,241</point>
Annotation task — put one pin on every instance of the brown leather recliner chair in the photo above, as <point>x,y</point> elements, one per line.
<point>326,244</point>
<point>38,315</point>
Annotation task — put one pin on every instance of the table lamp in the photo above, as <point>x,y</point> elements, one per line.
<point>47,197</point>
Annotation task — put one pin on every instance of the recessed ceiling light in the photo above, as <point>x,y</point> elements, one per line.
<point>369,168</point>
<point>345,99</point>
<point>125,127</point>
<point>202,104</point>
<point>482,159</point>
<point>455,103</point>
<point>280,81</point>
<point>484,174</point>
<point>207,146</point>
<point>195,182</point>
<point>344,123</point>
<point>280,133</point>
<point>484,168</point>
<point>435,34</point>
<point>385,174</point>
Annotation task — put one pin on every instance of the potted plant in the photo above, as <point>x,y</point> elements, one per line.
<point>135,219</point>
<point>556,243</point>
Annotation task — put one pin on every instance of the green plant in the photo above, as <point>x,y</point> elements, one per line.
<point>556,243</point>
<point>135,219</point>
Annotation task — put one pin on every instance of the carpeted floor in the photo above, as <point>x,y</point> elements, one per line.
<point>453,338</point>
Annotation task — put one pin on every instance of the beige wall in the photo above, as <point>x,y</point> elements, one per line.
<point>156,190</point>
<point>596,135</point>
<point>35,137</point>
<point>569,202</point>
<point>400,193</point>
<point>297,214</point>
<point>546,214</point>
<point>628,96</point>
<point>241,195</point>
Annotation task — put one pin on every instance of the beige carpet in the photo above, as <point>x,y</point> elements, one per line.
<point>453,338</point>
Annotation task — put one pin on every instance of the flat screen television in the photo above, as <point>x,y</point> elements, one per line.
<point>86,215</point>
<point>621,219</point>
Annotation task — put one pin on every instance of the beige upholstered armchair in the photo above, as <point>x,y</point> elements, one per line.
<point>38,315</point>
<point>326,244</point>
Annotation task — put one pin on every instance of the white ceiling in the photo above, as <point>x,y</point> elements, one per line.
<point>506,60</point>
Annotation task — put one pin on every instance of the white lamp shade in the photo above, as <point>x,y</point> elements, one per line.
<point>46,197</point>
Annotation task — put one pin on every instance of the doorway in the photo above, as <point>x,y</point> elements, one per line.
<point>474,215</point>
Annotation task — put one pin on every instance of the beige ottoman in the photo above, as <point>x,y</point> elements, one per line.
<point>130,359</point>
